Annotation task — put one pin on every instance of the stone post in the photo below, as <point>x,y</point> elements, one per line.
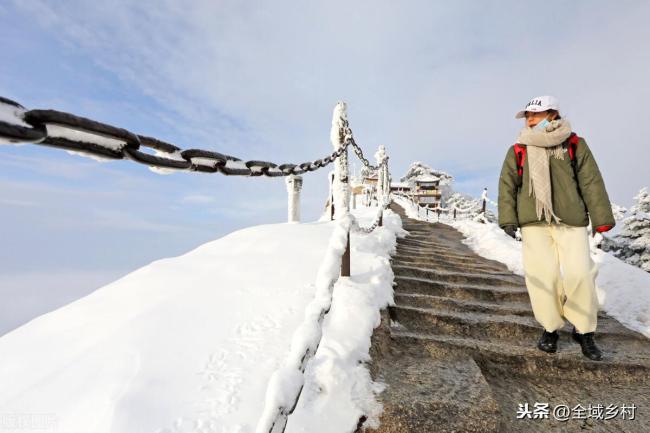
<point>294,185</point>
<point>341,186</point>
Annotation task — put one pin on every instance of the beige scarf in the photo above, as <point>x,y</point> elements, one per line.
<point>542,144</point>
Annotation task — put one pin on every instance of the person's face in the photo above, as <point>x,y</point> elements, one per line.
<point>533,118</point>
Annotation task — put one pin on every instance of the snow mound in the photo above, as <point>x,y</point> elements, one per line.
<point>190,344</point>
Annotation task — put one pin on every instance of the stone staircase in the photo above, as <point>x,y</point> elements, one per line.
<point>457,351</point>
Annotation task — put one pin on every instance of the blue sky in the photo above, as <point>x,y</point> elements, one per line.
<point>433,81</point>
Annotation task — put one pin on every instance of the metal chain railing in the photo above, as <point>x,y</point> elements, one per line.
<point>70,132</point>
<point>376,223</point>
<point>349,139</point>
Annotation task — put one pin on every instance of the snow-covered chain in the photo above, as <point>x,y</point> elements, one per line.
<point>100,141</point>
<point>375,224</point>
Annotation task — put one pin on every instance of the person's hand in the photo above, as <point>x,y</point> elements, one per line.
<point>510,230</point>
<point>600,229</point>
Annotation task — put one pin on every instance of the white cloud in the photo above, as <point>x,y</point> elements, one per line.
<point>435,82</point>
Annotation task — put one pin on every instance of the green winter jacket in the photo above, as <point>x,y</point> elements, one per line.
<point>574,201</point>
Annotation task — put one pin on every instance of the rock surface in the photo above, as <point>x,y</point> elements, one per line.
<point>458,351</point>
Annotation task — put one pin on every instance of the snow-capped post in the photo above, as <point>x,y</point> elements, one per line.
<point>294,185</point>
<point>484,199</point>
<point>341,186</point>
<point>382,173</point>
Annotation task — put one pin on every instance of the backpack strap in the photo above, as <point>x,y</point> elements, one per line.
<point>520,156</point>
<point>574,139</point>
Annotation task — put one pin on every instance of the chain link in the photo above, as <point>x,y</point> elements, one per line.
<point>349,140</point>
<point>105,141</point>
<point>375,223</point>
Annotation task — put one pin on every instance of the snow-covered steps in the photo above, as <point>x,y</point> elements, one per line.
<point>458,351</point>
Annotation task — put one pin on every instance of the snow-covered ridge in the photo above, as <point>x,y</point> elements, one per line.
<point>189,344</point>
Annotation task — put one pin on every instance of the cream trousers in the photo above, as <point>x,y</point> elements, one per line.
<point>560,276</point>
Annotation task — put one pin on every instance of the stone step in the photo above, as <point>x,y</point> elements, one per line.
<point>615,389</point>
<point>447,265</point>
<point>415,224</point>
<point>435,394</point>
<point>440,231</point>
<point>479,292</point>
<point>619,364</point>
<point>422,300</point>
<point>415,250</point>
<point>453,304</point>
<point>434,236</point>
<point>433,260</point>
<point>491,327</point>
<point>426,242</point>
<point>440,262</point>
<point>458,277</point>
<point>441,257</point>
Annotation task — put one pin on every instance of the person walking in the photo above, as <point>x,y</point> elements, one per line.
<point>550,186</point>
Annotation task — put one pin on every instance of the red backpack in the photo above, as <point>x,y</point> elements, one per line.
<point>520,154</point>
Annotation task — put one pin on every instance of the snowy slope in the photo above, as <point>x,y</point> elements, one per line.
<point>188,344</point>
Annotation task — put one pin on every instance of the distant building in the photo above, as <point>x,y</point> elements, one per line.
<point>427,191</point>
<point>400,187</point>
<point>371,179</point>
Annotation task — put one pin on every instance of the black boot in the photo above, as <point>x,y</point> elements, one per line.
<point>588,345</point>
<point>548,341</point>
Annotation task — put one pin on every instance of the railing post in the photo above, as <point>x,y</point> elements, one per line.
<point>380,157</point>
<point>332,196</point>
<point>294,185</point>
<point>341,185</point>
<point>484,198</point>
<point>345,260</point>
